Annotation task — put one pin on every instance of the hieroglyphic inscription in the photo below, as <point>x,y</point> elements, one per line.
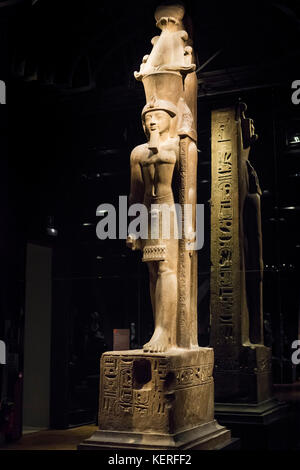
<point>125,403</point>
<point>224,211</point>
<point>227,363</point>
<point>110,385</point>
<point>241,368</point>
<point>223,126</point>
<point>120,397</point>
<point>183,333</point>
<point>192,376</point>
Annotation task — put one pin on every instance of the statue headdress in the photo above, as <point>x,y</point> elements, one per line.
<point>163,72</point>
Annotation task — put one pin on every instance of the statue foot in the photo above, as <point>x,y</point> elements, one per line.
<point>159,342</point>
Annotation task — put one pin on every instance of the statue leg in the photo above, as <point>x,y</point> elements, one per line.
<point>163,285</point>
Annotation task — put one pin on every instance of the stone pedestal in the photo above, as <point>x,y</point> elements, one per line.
<point>243,375</point>
<point>157,401</point>
<point>261,426</point>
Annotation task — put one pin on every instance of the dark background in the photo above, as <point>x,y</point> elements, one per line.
<point>73,108</point>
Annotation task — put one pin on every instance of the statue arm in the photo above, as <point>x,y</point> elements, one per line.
<point>136,178</point>
<point>136,191</point>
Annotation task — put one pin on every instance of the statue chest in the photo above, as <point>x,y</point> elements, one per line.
<point>156,168</point>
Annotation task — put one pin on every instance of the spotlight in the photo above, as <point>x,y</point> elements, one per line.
<point>50,229</point>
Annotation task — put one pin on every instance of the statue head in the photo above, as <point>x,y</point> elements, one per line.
<point>159,116</point>
<point>248,129</point>
<point>157,104</point>
<point>159,120</point>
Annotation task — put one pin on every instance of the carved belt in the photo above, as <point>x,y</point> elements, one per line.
<point>154,253</point>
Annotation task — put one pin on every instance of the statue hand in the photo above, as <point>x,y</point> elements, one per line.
<point>130,242</point>
<point>190,236</point>
<point>133,243</point>
<point>190,240</point>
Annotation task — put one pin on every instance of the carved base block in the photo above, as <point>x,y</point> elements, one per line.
<point>208,436</point>
<point>245,379</point>
<point>157,401</point>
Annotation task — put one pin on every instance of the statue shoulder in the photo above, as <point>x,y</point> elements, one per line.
<point>172,144</point>
<point>139,152</point>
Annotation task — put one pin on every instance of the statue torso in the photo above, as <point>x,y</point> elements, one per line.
<point>158,168</point>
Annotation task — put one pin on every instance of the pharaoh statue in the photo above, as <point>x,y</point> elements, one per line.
<point>162,396</point>
<point>163,172</point>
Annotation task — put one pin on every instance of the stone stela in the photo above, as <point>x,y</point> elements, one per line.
<point>162,396</point>
<point>242,362</point>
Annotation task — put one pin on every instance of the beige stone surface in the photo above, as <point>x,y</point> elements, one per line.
<point>157,401</point>
<point>171,50</point>
<point>162,397</point>
<point>163,393</point>
<point>208,436</point>
<point>166,161</point>
<point>242,362</point>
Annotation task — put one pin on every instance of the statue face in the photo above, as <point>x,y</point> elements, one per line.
<point>157,120</point>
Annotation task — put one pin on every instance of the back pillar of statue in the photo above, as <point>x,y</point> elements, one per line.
<point>242,362</point>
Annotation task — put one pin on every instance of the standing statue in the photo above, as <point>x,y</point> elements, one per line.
<point>162,396</point>
<point>252,235</point>
<point>168,157</point>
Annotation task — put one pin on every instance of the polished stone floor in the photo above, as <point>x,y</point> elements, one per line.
<point>52,439</point>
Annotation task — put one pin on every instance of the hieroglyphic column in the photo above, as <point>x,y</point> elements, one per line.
<point>224,234</point>
<point>242,368</point>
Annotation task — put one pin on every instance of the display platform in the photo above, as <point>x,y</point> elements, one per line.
<point>157,401</point>
<point>262,426</point>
